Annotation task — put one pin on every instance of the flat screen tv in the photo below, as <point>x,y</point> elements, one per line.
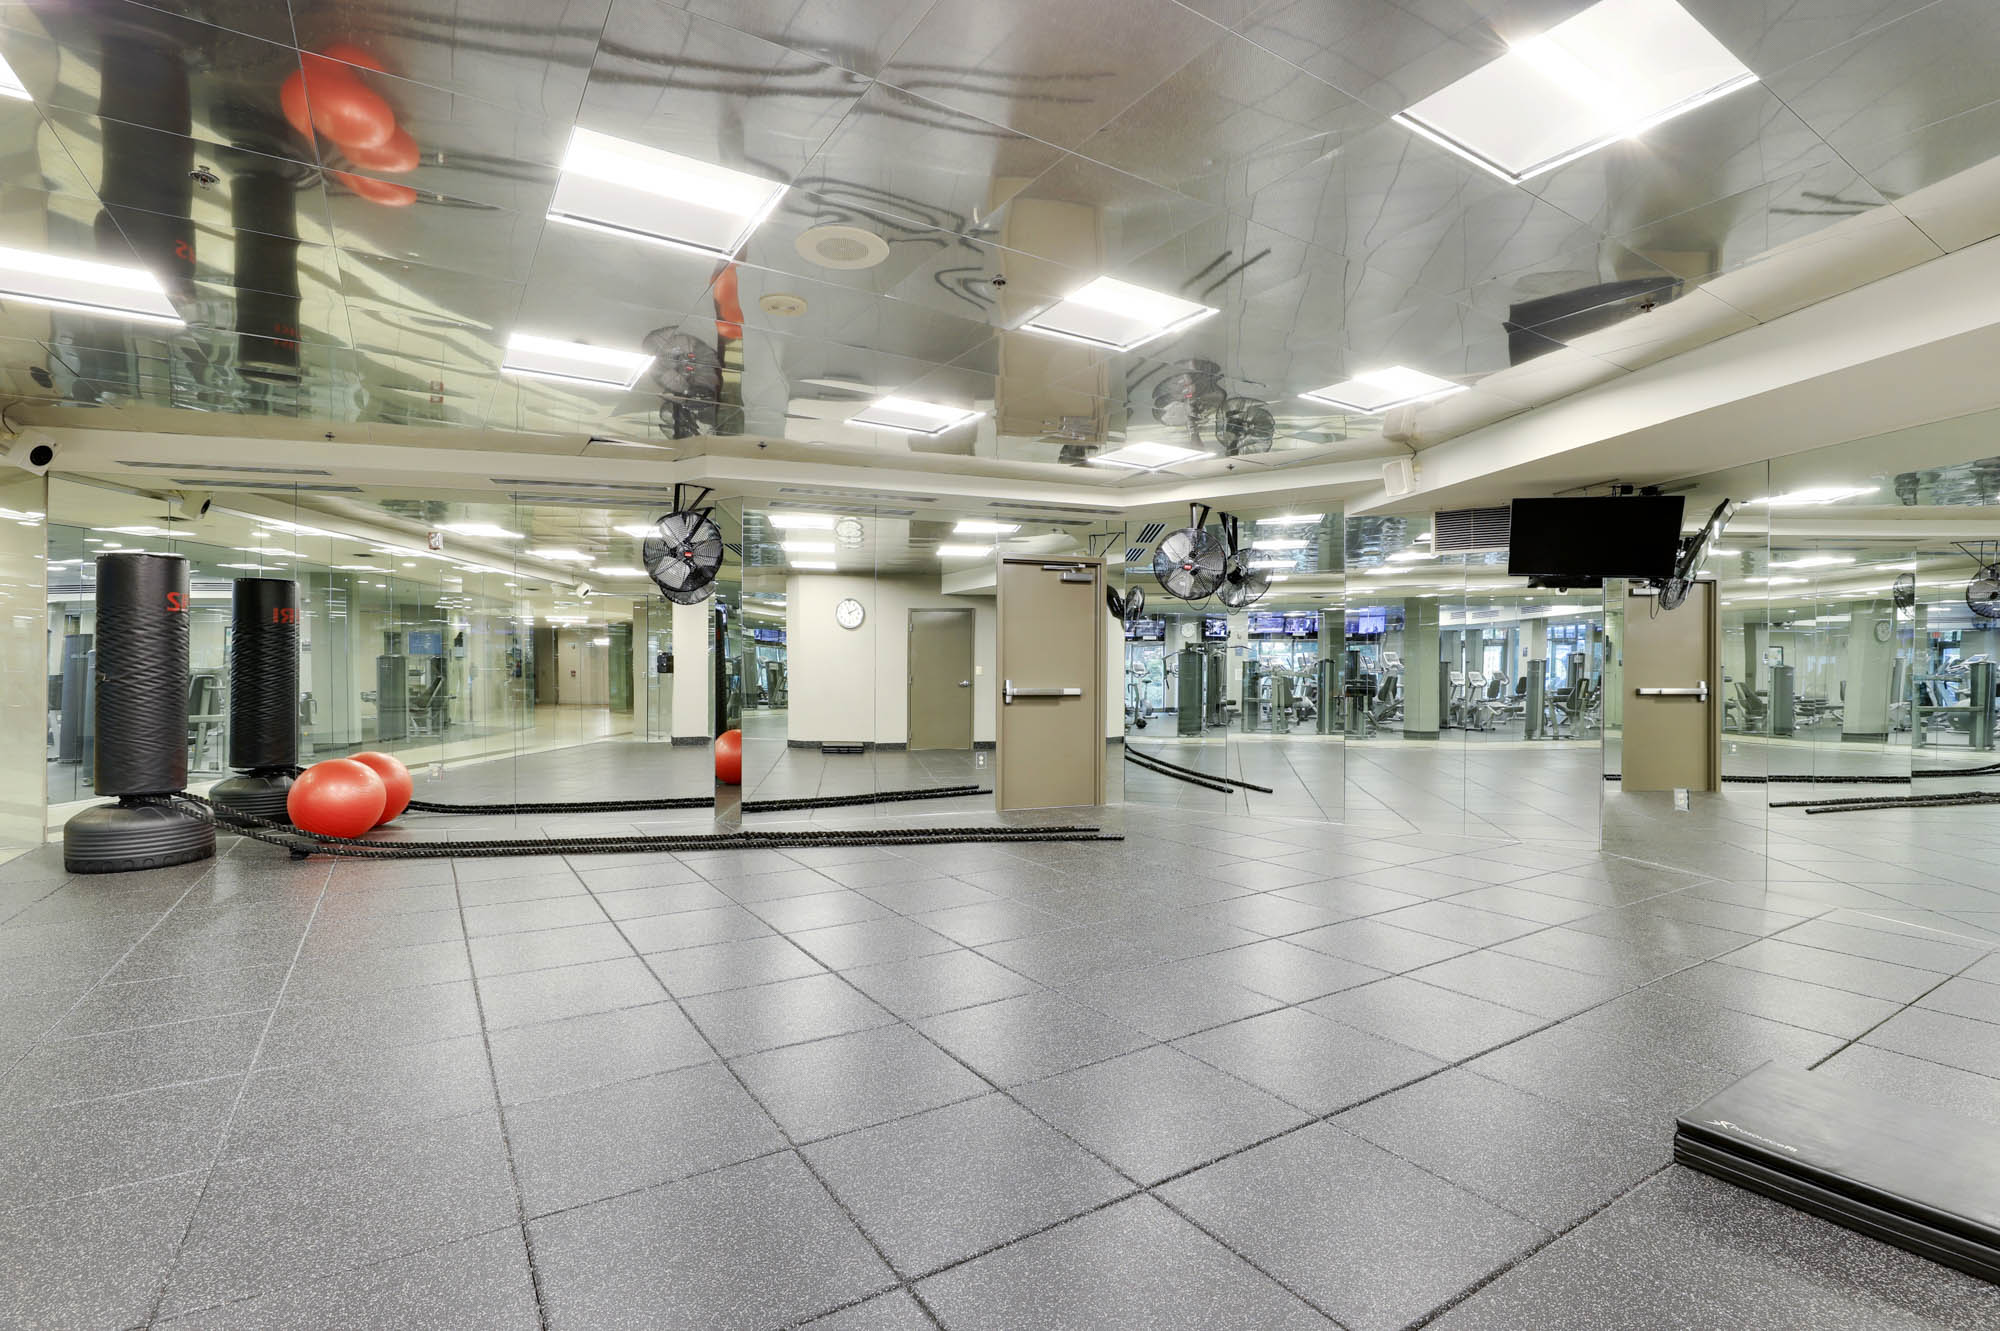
<point>1215,628</point>
<point>1576,542</point>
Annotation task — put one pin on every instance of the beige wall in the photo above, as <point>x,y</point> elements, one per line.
<point>693,671</point>
<point>854,684</point>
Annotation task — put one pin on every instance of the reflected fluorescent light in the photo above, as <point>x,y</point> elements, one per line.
<point>800,521</point>
<point>963,551</point>
<point>1726,554</point>
<point>1279,543</point>
<point>1147,456</point>
<point>1610,72</point>
<point>608,442</point>
<point>1376,391</point>
<point>1814,561</point>
<point>273,564</point>
<point>1826,494</point>
<point>814,563</point>
<point>619,572</point>
<point>572,362</point>
<point>1271,563</point>
<point>1290,520</point>
<point>976,527</point>
<point>1775,582</point>
<point>84,284</point>
<point>11,85</point>
<point>485,529</point>
<point>628,189</point>
<point>908,416</point>
<point>1116,316</point>
<point>807,547</point>
<point>600,642</point>
<point>562,555</point>
<point>1411,556</point>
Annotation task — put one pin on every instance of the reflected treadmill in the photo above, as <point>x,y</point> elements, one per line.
<point>1922,1179</point>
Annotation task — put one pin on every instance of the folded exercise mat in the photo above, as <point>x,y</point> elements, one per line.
<point>1923,1179</point>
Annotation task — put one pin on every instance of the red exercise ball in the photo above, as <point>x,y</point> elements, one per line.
<point>344,108</point>
<point>292,100</point>
<point>338,797</point>
<point>729,757</point>
<point>395,781</point>
<point>377,191</point>
<point>397,153</point>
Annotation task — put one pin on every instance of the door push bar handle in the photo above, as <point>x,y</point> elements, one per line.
<point>1008,692</point>
<point>1698,691</point>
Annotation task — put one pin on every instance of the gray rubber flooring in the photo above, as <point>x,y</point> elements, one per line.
<point>1234,1073</point>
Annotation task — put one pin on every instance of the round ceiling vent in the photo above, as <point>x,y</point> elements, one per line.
<point>841,247</point>
<point>784,304</point>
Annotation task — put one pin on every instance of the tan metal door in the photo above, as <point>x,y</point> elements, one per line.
<point>1673,693</point>
<point>941,679</point>
<point>1051,662</point>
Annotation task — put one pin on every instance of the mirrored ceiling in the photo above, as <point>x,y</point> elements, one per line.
<point>349,212</point>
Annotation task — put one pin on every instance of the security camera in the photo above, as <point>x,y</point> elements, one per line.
<point>30,451</point>
<point>583,590</point>
<point>189,505</point>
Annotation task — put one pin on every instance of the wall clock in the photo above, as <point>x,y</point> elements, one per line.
<point>849,614</point>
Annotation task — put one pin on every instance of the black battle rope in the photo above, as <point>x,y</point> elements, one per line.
<point>301,843</point>
<point>1131,752</point>
<point>1169,773</point>
<point>1919,772</point>
<point>1968,799</point>
<point>704,802</point>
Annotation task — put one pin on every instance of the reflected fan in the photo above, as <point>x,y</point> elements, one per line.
<point>1905,591</point>
<point>1246,426</point>
<point>1242,585</point>
<point>684,552</point>
<point>1694,549</point>
<point>1982,593</point>
<point>1187,398</point>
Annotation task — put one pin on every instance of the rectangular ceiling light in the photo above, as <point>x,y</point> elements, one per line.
<point>1825,494</point>
<point>814,563</point>
<point>1290,520</point>
<point>1378,391</point>
<point>485,529</point>
<point>1288,543</point>
<point>800,521</point>
<point>11,85</point>
<point>963,551</point>
<point>627,189</point>
<point>572,362</point>
<point>975,527</point>
<point>1147,456</point>
<point>1116,315</point>
<point>84,284</point>
<point>1609,73</point>
<point>911,417</point>
<point>807,547</point>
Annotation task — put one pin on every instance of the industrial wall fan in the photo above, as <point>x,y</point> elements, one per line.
<point>1694,549</point>
<point>684,551</point>
<point>1242,585</point>
<point>1188,563</point>
<point>1982,590</point>
<point>1126,606</point>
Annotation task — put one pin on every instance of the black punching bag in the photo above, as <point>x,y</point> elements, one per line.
<point>142,744</point>
<point>263,697</point>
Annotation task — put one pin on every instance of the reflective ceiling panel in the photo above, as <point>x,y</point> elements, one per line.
<point>347,203</point>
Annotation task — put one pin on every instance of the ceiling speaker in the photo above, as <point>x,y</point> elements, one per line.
<point>834,246</point>
<point>1399,476</point>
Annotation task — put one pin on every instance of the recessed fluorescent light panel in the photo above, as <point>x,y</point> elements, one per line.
<point>1378,391</point>
<point>807,547</point>
<point>573,362</point>
<point>963,551</point>
<point>800,521</point>
<point>84,284</point>
<point>912,417</point>
<point>975,527</point>
<point>1611,72</point>
<point>1147,456</point>
<point>1116,316</point>
<point>628,189</point>
<point>1290,520</point>
<point>11,85</point>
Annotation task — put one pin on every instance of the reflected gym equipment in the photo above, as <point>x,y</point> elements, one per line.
<point>263,696</point>
<point>1191,695</point>
<point>141,723</point>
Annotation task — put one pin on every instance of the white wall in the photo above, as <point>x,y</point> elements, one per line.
<point>854,684</point>
<point>693,671</point>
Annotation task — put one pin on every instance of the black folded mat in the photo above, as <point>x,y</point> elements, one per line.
<point>1923,1179</point>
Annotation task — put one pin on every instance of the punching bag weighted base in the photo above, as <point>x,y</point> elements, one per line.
<point>260,793</point>
<point>122,838</point>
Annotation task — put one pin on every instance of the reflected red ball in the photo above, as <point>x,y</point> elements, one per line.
<point>396,783</point>
<point>338,797</point>
<point>729,757</point>
<point>344,108</point>
<point>397,153</point>
<point>383,192</point>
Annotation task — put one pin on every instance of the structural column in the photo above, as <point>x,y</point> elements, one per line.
<point>1420,668</point>
<point>1871,671</point>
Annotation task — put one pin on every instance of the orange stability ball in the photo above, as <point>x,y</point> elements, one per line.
<point>729,757</point>
<point>338,797</point>
<point>395,782</point>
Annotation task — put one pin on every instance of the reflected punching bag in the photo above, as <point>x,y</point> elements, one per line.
<point>263,697</point>
<point>142,740</point>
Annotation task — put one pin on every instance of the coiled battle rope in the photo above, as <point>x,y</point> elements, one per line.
<point>302,844</point>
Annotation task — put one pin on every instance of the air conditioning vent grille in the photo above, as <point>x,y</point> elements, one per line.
<point>1459,530</point>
